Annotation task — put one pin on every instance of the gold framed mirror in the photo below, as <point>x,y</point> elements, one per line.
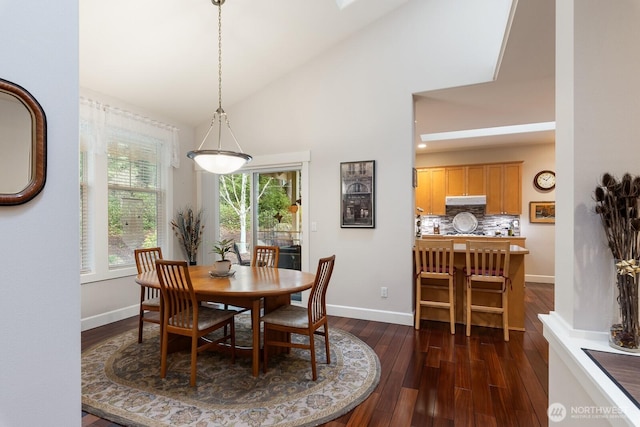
<point>23,145</point>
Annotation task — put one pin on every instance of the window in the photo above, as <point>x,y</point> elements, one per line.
<point>125,170</point>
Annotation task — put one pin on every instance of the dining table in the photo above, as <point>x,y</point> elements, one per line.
<point>246,287</point>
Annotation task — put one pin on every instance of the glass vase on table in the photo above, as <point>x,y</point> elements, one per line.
<point>625,331</point>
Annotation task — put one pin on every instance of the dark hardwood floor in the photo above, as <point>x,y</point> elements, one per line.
<point>432,378</point>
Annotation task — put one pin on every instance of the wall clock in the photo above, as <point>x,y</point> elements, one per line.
<point>545,180</point>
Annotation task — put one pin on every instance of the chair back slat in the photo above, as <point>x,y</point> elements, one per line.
<point>146,258</point>
<point>488,258</point>
<point>433,257</point>
<point>317,299</point>
<point>179,299</point>
<point>146,261</point>
<point>265,256</point>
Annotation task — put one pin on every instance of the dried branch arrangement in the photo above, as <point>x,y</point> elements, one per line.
<point>617,205</point>
<point>188,228</point>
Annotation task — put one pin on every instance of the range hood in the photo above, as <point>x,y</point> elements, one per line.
<point>465,200</point>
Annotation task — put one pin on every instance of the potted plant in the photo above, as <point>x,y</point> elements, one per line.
<point>617,203</point>
<point>187,226</point>
<point>222,248</point>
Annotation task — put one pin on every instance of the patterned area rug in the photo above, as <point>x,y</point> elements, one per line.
<point>121,382</point>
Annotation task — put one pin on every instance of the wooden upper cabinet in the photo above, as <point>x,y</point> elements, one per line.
<point>430,191</point>
<point>504,189</point>
<point>465,180</point>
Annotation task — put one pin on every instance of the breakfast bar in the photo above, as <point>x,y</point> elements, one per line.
<point>515,293</point>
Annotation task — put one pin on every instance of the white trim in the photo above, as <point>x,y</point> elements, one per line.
<point>109,317</point>
<point>278,160</point>
<point>369,314</point>
<point>539,278</point>
<point>568,343</point>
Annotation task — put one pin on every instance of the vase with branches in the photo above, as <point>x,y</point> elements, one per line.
<point>188,228</point>
<point>617,203</point>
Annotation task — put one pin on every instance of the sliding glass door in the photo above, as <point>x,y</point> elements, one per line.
<point>263,208</point>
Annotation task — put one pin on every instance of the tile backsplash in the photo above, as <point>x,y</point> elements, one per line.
<point>488,225</point>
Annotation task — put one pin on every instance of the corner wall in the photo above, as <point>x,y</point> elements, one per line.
<point>39,255</point>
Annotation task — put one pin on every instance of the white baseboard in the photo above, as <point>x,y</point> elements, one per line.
<point>368,314</point>
<point>539,279</point>
<point>109,317</point>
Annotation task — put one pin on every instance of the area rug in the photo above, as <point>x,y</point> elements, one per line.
<point>121,382</point>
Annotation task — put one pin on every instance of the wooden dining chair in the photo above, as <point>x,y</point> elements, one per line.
<point>292,319</point>
<point>487,272</point>
<point>149,297</point>
<point>183,315</point>
<point>241,261</point>
<point>434,274</point>
<point>265,256</point>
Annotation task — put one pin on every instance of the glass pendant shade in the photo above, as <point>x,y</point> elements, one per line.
<point>219,161</point>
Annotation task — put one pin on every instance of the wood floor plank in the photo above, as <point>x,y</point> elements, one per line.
<point>463,403</point>
<point>403,410</point>
<point>445,401</point>
<point>362,414</point>
<point>463,367</point>
<point>480,388</point>
<point>490,357</point>
<point>432,378</point>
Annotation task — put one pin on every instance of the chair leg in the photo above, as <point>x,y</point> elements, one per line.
<point>418,306</point>
<point>232,327</point>
<point>194,360</point>
<point>163,354</point>
<point>314,375</point>
<point>505,315</point>
<point>265,350</point>
<point>326,343</point>
<point>140,321</point>
<point>468,307</point>
<point>452,310</point>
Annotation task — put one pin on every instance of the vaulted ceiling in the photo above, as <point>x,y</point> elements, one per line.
<point>162,56</point>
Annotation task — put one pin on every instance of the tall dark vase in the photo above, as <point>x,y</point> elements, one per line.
<point>625,332</point>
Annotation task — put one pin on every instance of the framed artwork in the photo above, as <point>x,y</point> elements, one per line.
<point>357,192</point>
<point>415,178</point>
<point>544,212</point>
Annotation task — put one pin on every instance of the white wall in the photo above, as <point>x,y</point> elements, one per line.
<point>40,303</point>
<point>540,263</point>
<point>597,92</point>
<point>598,127</point>
<point>355,103</point>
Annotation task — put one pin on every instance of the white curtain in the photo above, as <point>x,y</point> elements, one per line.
<point>97,120</point>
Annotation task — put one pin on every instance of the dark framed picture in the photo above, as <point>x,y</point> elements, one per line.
<point>415,178</point>
<point>357,192</point>
<point>544,212</point>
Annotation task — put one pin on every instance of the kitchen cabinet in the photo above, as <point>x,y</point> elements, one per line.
<point>430,192</point>
<point>465,180</point>
<point>504,189</point>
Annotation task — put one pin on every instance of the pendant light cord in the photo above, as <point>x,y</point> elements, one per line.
<point>220,110</point>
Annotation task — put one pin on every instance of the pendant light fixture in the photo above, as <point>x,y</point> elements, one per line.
<point>219,161</point>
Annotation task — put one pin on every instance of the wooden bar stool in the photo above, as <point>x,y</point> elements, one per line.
<point>434,265</point>
<point>487,271</point>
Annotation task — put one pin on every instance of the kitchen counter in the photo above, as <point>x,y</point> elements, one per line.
<point>461,238</point>
<point>515,291</point>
